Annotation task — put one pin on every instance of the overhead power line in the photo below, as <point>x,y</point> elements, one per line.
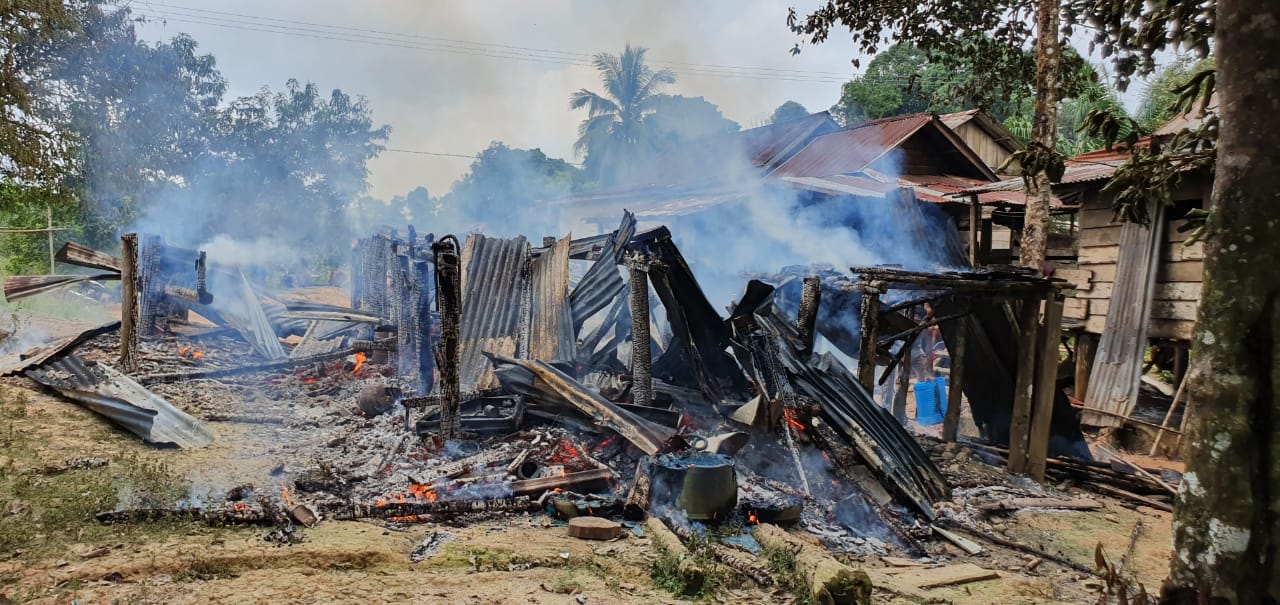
<point>492,45</point>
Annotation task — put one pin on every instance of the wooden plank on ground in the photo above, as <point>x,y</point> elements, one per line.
<point>949,575</point>
<point>960,541</point>
<point>1183,271</point>
<point>901,562</point>
<point>1014,504</point>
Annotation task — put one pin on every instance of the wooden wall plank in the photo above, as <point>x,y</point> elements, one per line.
<point>1182,271</point>
<point>1100,307</point>
<point>1179,310</point>
<point>1181,252</point>
<point>1098,291</point>
<point>1171,329</point>
<point>1096,216</point>
<point>1102,273</point>
<point>1173,235</point>
<point>1098,255</point>
<point>1075,308</point>
<point>1100,236</point>
<point>1082,279</point>
<point>1178,291</point>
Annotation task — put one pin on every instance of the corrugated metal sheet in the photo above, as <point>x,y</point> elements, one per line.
<point>770,145</point>
<point>16,362</point>
<point>125,402</point>
<point>852,149</point>
<point>495,274</point>
<point>551,334</point>
<point>602,284</point>
<point>872,430</point>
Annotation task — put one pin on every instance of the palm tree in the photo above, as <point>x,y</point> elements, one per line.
<point>614,128</point>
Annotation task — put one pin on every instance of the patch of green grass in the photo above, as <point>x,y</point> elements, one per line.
<point>669,571</point>
<point>483,559</point>
<point>206,569</point>
<point>782,564</point>
<point>566,583</point>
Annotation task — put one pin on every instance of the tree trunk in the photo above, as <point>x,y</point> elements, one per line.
<point>1227,512</point>
<point>1044,132</point>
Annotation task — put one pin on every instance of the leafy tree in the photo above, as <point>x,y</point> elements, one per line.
<point>31,147</point>
<point>613,136</point>
<point>676,119</point>
<point>788,111</point>
<point>1160,95</point>
<point>901,80</point>
<point>505,190</point>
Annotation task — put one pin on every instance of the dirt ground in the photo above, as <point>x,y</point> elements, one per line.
<point>51,550</point>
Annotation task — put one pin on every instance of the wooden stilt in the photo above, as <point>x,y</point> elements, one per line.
<point>1177,395</point>
<point>1024,387</point>
<point>1046,386</point>
<point>951,421</point>
<point>869,325</point>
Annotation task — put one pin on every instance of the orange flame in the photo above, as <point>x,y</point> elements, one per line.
<point>790,415</point>
<point>752,518</point>
<point>183,349</point>
<point>284,492</point>
<point>360,359</point>
<point>197,355</point>
<point>240,507</point>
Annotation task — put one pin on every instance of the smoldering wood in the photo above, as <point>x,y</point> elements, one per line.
<point>597,476</point>
<point>389,510</point>
<point>807,317</point>
<point>637,503</point>
<point>264,513</point>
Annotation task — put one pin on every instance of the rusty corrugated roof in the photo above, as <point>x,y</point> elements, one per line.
<point>852,149</point>
<point>494,277</point>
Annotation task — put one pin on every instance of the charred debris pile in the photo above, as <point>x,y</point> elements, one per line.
<point>492,376</point>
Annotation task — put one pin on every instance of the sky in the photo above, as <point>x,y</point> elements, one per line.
<point>451,77</point>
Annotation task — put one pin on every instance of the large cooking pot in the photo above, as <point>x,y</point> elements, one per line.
<point>702,484</point>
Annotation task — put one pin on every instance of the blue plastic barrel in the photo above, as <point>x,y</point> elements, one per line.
<point>931,401</point>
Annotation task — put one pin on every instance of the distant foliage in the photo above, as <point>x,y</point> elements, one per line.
<point>1160,95</point>
<point>788,111</point>
<point>505,192</point>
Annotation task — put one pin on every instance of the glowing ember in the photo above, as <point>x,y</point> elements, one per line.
<point>790,416</point>
<point>284,493</point>
<point>240,507</point>
<point>360,359</point>
<point>565,453</point>
<point>197,354</point>
<point>752,518</point>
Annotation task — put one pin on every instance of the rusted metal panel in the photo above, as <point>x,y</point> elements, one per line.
<point>495,275</point>
<point>551,321</point>
<point>106,391</point>
<point>602,284</point>
<point>852,149</point>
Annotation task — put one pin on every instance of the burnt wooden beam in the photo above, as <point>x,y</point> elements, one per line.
<point>868,325</point>
<point>975,218</point>
<point>271,366</point>
<point>807,316</point>
<point>72,253</point>
<point>951,421</point>
<point>1046,386</point>
<point>598,476</point>
<point>449,304</point>
<point>638,265</point>
<point>129,302</point>
<point>1024,386</point>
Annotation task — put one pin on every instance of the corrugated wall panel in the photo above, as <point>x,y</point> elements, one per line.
<point>494,276</point>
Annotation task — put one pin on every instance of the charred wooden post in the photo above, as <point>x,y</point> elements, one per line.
<point>421,288</point>
<point>951,421</point>
<point>975,219</point>
<point>357,274</point>
<point>129,302</point>
<point>903,382</point>
<point>641,354</point>
<point>807,317</point>
<point>1046,386</point>
<point>1024,386</point>
<point>150,286</point>
<point>203,296</point>
<point>449,305</point>
<point>1086,346</point>
<point>596,476</point>
<point>869,325</point>
<point>637,505</point>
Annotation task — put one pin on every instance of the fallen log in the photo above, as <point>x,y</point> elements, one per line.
<point>731,559</point>
<point>1112,490</point>
<point>637,504</point>
<point>566,481</point>
<point>828,581</point>
<point>1014,504</point>
<point>400,510</point>
<point>234,515</point>
<point>689,574</point>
